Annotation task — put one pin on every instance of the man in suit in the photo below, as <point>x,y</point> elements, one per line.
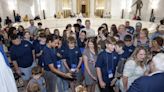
<point>154,82</point>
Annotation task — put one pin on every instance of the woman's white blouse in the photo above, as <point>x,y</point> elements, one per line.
<point>133,71</point>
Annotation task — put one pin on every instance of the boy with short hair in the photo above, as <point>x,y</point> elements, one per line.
<point>73,61</point>
<point>106,65</point>
<point>129,47</point>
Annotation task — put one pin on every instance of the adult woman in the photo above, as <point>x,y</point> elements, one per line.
<point>89,58</point>
<point>134,68</point>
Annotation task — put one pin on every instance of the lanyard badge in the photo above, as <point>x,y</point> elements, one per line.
<point>73,67</point>
<point>58,64</point>
<point>109,70</point>
<point>110,74</point>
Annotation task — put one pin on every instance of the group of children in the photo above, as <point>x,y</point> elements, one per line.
<point>49,62</point>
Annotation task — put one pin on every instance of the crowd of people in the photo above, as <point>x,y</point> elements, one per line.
<point>117,59</point>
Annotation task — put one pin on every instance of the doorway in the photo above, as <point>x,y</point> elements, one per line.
<point>83,6</point>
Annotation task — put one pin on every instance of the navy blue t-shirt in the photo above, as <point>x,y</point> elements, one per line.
<point>107,62</point>
<point>38,48</point>
<point>49,57</point>
<point>80,43</point>
<point>22,54</point>
<point>72,56</point>
<point>130,30</point>
<point>128,51</point>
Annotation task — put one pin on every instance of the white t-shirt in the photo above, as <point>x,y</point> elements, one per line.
<point>89,32</point>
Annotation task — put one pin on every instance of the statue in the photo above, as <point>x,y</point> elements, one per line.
<point>139,5</point>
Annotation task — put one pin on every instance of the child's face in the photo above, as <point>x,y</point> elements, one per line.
<point>90,45</point>
<point>55,43</point>
<point>142,34</point>
<point>42,39</point>
<point>110,47</point>
<point>128,43</point>
<point>37,76</point>
<point>71,45</point>
<point>27,35</point>
<point>56,32</point>
<point>82,35</point>
<point>118,48</point>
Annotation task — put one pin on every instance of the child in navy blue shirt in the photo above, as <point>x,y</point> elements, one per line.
<point>119,69</point>
<point>106,65</point>
<point>73,61</point>
<point>39,48</point>
<point>81,40</point>
<point>129,47</point>
<point>50,66</point>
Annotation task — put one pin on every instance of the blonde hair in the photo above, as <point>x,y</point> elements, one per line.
<point>134,56</point>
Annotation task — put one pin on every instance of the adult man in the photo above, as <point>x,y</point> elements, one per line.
<point>32,28</point>
<point>153,82</point>
<point>90,32</point>
<point>22,57</point>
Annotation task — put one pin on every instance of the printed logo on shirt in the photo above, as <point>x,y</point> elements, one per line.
<point>26,45</point>
<point>76,52</point>
<point>114,57</point>
<point>130,50</point>
<point>62,50</point>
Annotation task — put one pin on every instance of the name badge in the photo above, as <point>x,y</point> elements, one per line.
<point>114,57</point>
<point>26,45</point>
<point>130,50</point>
<point>73,67</point>
<point>110,74</point>
<point>58,64</point>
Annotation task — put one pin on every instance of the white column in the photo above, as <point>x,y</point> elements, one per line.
<point>116,9</point>
<point>107,5</point>
<point>74,6</point>
<point>92,10</point>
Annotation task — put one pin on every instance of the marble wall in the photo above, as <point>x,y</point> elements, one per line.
<point>35,7</point>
